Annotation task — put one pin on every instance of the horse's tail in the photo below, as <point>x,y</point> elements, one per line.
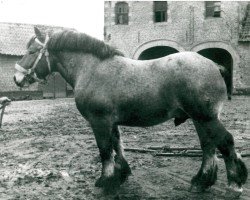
<point>224,73</point>
<point>223,70</point>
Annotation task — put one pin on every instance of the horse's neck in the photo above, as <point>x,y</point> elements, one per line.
<point>72,65</point>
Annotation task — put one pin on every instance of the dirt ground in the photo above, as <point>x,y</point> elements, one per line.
<point>48,152</point>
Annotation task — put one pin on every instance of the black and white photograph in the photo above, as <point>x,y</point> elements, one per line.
<point>124,100</point>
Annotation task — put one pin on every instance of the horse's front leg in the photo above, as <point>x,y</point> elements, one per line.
<point>122,169</point>
<point>102,128</point>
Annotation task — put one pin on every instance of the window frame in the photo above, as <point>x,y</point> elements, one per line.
<point>212,9</point>
<point>163,12</point>
<point>122,12</point>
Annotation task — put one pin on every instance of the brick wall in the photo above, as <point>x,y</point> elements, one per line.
<point>186,28</point>
<point>186,24</point>
<point>243,72</point>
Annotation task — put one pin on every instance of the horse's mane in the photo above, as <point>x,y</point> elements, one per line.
<point>74,41</point>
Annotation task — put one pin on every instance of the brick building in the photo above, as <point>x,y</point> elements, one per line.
<point>13,40</point>
<point>217,30</point>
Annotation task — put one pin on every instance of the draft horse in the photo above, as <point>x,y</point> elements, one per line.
<point>112,90</point>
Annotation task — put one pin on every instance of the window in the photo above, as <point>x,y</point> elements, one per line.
<point>121,13</point>
<point>213,8</point>
<point>160,11</point>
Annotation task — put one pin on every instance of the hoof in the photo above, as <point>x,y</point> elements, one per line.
<point>122,170</point>
<point>121,173</point>
<point>203,181</point>
<point>241,171</point>
<point>100,182</point>
<point>237,176</point>
<point>109,184</point>
<point>198,189</point>
<point>233,191</point>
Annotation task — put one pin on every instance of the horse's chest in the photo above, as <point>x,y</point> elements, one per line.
<point>92,105</point>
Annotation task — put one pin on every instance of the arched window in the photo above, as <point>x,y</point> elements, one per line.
<point>160,11</point>
<point>213,8</point>
<point>121,13</point>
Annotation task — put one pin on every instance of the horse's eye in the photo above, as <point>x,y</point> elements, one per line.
<point>31,52</point>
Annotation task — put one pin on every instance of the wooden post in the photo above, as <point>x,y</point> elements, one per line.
<point>1,116</point>
<point>139,150</point>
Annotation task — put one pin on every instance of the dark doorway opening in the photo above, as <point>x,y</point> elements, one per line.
<point>156,52</point>
<point>224,59</point>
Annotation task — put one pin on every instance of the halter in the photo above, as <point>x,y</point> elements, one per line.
<point>44,51</point>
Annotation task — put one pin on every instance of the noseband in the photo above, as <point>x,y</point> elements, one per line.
<point>43,51</point>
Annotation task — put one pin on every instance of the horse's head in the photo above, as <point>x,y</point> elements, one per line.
<point>35,64</point>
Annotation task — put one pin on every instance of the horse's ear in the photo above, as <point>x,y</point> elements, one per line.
<point>39,35</point>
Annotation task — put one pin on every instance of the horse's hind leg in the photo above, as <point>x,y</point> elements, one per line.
<point>223,140</point>
<point>236,169</point>
<point>122,168</point>
<point>207,174</point>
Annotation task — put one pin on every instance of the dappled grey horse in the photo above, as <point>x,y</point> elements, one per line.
<point>112,90</point>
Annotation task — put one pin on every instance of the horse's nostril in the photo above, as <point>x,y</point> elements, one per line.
<point>16,81</point>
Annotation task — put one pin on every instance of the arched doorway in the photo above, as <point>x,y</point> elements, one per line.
<point>156,52</point>
<point>221,57</point>
<point>157,46</point>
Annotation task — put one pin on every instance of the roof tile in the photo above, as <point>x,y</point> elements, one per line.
<point>15,36</point>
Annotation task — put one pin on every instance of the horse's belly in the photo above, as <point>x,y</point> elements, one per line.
<point>143,119</point>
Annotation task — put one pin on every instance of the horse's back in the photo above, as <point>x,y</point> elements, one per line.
<point>186,81</point>
<point>188,72</point>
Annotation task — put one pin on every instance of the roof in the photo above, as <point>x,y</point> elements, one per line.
<point>15,36</point>
<point>245,32</point>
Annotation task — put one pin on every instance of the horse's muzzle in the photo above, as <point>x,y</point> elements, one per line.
<point>17,83</point>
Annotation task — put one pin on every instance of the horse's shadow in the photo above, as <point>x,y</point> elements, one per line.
<point>155,184</point>
<point>131,190</point>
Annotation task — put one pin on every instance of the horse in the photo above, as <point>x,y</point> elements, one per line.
<point>111,90</point>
